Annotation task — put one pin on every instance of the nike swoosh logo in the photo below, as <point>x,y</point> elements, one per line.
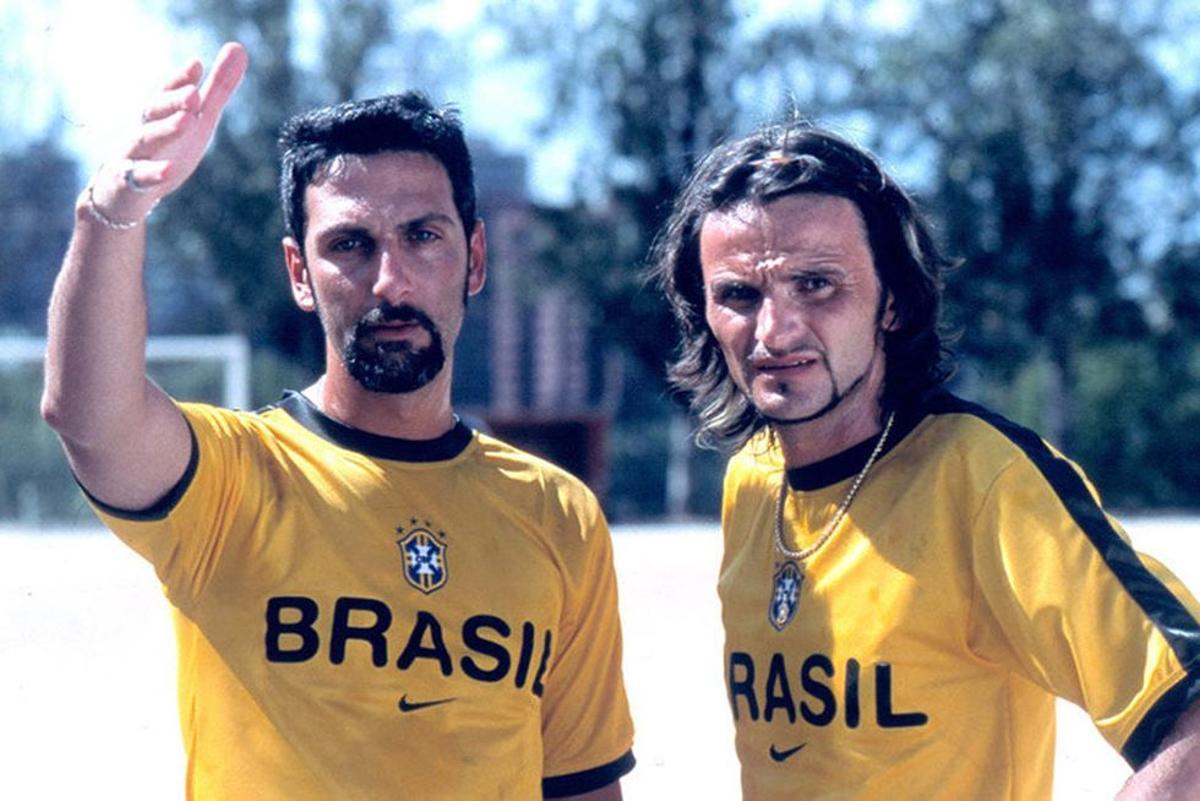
<point>412,706</point>
<point>780,756</point>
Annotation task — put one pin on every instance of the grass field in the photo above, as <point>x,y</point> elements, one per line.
<point>87,703</point>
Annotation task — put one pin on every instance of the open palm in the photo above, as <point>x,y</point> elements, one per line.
<point>176,129</point>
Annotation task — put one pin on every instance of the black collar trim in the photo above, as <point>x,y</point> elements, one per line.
<point>440,449</point>
<point>842,466</point>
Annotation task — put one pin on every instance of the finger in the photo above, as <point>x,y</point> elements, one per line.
<point>227,71</point>
<point>189,75</point>
<point>129,189</point>
<point>185,98</point>
<point>142,175</point>
<point>156,135</point>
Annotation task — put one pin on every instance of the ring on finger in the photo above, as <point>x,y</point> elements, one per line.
<point>131,182</point>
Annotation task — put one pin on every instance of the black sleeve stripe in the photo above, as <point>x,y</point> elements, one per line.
<point>1159,721</point>
<point>588,780</point>
<point>163,506</point>
<point>1174,621</point>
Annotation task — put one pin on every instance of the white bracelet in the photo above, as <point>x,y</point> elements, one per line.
<point>108,222</point>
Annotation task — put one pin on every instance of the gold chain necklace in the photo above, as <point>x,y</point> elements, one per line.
<point>826,532</point>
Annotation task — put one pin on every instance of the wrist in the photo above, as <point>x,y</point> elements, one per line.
<point>115,201</point>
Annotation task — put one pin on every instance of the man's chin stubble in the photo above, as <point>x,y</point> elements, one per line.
<point>835,400</point>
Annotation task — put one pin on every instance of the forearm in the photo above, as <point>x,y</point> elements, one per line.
<point>125,439</point>
<point>95,385</point>
<point>96,389</point>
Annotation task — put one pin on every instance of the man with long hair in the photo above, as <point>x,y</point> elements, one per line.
<point>909,580</point>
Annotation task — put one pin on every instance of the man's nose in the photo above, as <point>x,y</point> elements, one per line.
<point>393,281</point>
<point>781,324</point>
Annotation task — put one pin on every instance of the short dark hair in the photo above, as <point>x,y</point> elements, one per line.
<point>403,122</point>
<point>785,159</point>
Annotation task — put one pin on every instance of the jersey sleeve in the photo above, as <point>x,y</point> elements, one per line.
<point>587,731</point>
<point>1077,610</point>
<point>185,534</point>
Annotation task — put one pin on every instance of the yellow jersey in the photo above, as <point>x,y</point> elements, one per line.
<point>918,653</point>
<point>361,617</point>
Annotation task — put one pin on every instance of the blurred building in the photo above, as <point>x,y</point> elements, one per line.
<point>526,367</point>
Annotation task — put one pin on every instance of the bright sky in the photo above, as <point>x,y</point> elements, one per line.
<point>94,64</point>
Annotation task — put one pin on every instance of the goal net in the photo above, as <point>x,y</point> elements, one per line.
<point>36,487</point>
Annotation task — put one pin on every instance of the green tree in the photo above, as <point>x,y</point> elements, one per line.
<point>36,198</point>
<point>1050,141</point>
<point>653,83</point>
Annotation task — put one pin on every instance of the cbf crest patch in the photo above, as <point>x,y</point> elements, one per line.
<point>424,554</point>
<point>785,596</point>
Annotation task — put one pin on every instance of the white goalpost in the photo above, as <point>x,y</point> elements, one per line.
<point>36,487</point>
<point>231,350</point>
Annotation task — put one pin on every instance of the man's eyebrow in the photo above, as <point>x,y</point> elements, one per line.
<point>339,229</point>
<point>832,258</point>
<point>431,217</point>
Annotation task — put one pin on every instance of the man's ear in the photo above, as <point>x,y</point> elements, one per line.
<point>476,259</point>
<point>297,268</point>
<point>890,320</point>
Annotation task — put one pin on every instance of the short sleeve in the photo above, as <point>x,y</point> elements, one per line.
<point>184,534</point>
<point>1077,610</point>
<point>587,731</point>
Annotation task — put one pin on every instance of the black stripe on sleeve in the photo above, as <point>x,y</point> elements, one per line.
<point>163,506</point>
<point>1159,721</point>
<point>587,780</point>
<point>1173,620</point>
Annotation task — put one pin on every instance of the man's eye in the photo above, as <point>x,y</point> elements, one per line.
<point>814,283</point>
<point>736,294</point>
<point>348,244</point>
<point>422,235</point>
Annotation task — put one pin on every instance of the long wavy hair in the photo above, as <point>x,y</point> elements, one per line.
<point>785,159</point>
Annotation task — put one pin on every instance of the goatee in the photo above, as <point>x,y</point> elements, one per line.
<point>393,367</point>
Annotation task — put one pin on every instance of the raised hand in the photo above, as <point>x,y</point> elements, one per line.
<point>176,128</point>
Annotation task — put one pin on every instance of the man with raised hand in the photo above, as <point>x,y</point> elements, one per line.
<point>909,580</point>
<point>373,600</point>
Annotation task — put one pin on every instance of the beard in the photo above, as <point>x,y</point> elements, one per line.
<point>836,393</point>
<point>836,397</point>
<point>393,367</point>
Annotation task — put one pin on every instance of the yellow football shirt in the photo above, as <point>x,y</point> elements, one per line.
<point>918,653</point>
<point>360,617</point>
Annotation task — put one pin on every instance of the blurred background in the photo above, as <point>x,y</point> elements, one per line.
<point>1055,144</point>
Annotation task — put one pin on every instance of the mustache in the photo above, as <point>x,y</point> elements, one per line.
<point>387,313</point>
<point>760,352</point>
